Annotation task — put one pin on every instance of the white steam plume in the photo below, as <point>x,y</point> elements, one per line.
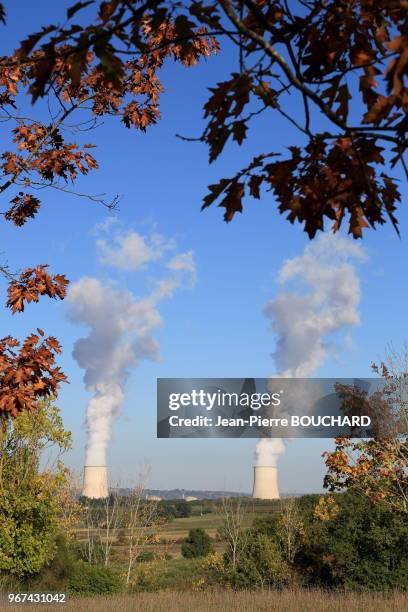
<point>120,327</point>
<point>268,450</point>
<point>324,300</point>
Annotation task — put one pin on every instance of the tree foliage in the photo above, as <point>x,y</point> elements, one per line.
<point>28,372</point>
<point>261,564</point>
<point>351,542</point>
<point>377,467</point>
<point>31,499</point>
<point>197,544</point>
<point>342,541</point>
<point>258,561</point>
<point>334,69</point>
<point>327,54</point>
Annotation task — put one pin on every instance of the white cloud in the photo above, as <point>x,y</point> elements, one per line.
<point>184,262</point>
<point>131,250</point>
<point>106,225</point>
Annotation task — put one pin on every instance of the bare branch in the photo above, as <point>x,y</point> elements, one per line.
<point>97,198</point>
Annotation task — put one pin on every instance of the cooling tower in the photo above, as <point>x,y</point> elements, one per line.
<point>95,481</point>
<point>265,483</point>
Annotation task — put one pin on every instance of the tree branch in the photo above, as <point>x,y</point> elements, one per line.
<point>272,52</point>
<point>53,128</point>
<point>98,198</point>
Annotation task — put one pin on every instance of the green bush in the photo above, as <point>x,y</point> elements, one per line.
<point>364,546</point>
<point>94,579</point>
<point>169,510</point>
<point>182,509</point>
<point>55,575</point>
<point>28,524</point>
<point>197,544</point>
<point>165,512</point>
<point>259,565</point>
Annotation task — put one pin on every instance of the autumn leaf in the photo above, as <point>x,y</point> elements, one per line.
<point>24,207</point>
<point>33,283</point>
<point>28,374</point>
<point>77,7</point>
<point>232,202</point>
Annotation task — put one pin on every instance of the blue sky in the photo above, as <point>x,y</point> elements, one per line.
<point>217,328</point>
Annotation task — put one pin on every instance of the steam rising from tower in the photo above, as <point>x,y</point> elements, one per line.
<point>325,301</point>
<point>120,337</point>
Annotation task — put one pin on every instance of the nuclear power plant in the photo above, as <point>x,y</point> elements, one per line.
<point>95,481</point>
<point>265,483</point>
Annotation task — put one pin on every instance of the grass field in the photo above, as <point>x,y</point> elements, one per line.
<point>168,536</point>
<point>179,527</point>
<point>285,601</point>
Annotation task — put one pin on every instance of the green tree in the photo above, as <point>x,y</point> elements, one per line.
<point>351,542</point>
<point>30,498</point>
<point>182,509</point>
<point>197,544</point>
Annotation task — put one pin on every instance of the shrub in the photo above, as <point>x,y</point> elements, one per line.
<point>197,544</point>
<point>259,565</point>
<point>165,512</point>
<point>28,522</point>
<point>182,509</point>
<point>55,575</point>
<point>94,579</point>
<point>360,546</point>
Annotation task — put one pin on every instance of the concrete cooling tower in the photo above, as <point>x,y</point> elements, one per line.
<point>95,481</point>
<point>265,483</point>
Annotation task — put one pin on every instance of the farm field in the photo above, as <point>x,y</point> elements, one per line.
<point>210,521</point>
<point>167,538</point>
